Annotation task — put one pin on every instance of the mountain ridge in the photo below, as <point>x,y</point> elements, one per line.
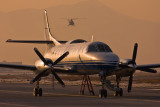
<point>117,30</point>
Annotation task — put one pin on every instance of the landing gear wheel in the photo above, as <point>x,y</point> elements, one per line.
<point>120,92</point>
<point>102,93</point>
<point>35,91</point>
<point>40,91</point>
<point>115,93</point>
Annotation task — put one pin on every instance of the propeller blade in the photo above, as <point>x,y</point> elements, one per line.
<point>58,78</point>
<point>130,83</point>
<point>61,58</point>
<point>40,55</point>
<point>53,81</point>
<point>148,70</point>
<point>134,53</point>
<point>37,77</point>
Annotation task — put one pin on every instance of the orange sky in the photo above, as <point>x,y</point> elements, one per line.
<point>17,26</point>
<point>141,9</point>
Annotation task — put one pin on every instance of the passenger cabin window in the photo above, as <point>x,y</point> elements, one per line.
<point>99,48</point>
<point>78,41</point>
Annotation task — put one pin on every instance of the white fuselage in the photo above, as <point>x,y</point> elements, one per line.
<point>81,59</point>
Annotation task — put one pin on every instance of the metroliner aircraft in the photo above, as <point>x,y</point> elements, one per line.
<point>79,57</point>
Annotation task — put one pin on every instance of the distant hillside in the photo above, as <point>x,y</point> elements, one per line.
<point>107,25</point>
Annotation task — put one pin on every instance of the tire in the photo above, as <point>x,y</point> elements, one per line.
<point>116,93</point>
<point>101,93</point>
<point>121,92</point>
<point>105,93</point>
<point>35,92</point>
<point>40,91</point>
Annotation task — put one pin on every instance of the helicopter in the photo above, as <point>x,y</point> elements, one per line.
<point>71,21</point>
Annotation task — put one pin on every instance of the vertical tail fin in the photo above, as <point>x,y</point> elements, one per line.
<point>47,31</point>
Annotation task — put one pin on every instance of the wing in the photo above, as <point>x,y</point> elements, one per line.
<point>148,66</point>
<point>33,41</point>
<point>31,67</point>
<point>15,66</point>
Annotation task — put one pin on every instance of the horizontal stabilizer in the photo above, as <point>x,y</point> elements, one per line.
<point>33,41</point>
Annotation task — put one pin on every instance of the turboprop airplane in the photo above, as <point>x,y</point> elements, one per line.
<point>79,57</point>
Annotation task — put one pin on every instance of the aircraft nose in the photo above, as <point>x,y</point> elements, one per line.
<point>106,61</point>
<point>109,57</point>
<point>106,57</point>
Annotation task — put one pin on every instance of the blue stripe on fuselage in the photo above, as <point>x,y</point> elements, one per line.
<point>89,67</point>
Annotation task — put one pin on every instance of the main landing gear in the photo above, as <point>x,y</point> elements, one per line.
<point>118,90</point>
<point>37,91</point>
<point>103,91</point>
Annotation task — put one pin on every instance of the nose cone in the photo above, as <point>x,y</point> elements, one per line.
<point>107,57</point>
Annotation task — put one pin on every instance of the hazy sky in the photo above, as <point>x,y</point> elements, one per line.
<point>114,26</point>
<point>141,9</point>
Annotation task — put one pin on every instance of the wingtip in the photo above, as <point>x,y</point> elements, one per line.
<point>8,40</point>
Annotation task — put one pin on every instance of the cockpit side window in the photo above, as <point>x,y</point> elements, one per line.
<point>92,48</point>
<point>107,48</point>
<point>99,48</point>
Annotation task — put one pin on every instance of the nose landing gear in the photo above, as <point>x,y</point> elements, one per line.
<point>37,91</point>
<point>103,91</point>
<point>118,90</point>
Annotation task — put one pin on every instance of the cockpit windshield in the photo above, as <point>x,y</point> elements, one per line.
<point>99,47</point>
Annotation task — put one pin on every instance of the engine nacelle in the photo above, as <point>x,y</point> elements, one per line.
<point>41,66</point>
<point>125,61</point>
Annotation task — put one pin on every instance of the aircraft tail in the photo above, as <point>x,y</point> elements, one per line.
<point>48,33</point>
<point>50,40</point>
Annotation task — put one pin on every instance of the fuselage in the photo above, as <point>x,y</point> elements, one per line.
<point>84,58</point>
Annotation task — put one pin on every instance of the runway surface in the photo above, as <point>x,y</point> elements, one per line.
<point>20,95</point>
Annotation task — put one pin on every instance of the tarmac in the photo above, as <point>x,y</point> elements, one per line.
<point>21,95</point>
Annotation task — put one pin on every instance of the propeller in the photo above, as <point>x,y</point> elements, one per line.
<point>133,62</point>
<point>50,64</point>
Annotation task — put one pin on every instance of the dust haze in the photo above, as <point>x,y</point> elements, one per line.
<point>120,31</point>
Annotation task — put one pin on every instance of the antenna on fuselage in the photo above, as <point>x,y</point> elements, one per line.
<point>92,39</point>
